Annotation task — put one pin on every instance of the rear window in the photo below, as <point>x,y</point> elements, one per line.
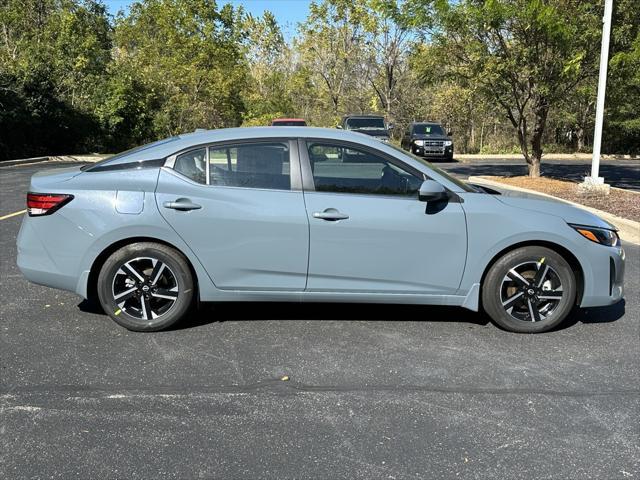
<point>121,157</point>
<point>365,123</point>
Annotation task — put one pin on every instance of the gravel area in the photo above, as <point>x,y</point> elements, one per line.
<point>625,204</point>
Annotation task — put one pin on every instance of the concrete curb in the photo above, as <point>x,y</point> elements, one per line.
<point>629,230</point>
<point>23,161</point>
<point>54,158</point>
<point>511,157</point>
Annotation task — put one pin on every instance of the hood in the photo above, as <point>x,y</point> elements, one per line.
<point>424,136</point>
<point>559,208</point>
<point>40,181</point>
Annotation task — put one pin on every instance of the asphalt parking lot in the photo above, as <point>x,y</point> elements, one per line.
<point>618,173</point>
<point>374,392</point>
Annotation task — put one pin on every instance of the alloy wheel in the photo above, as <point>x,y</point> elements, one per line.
<point>531,291</point>
<point>144,288</point>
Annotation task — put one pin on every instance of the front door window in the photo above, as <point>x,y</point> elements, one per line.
<point>342,169</point>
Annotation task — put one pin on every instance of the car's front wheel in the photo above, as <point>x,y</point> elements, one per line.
<point>529,290</point>
<point>146,286</point>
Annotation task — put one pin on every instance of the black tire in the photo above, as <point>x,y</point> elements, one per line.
<point>529,290</point>
<point>153,283</point>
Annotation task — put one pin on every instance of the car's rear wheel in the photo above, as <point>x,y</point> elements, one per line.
<point>145,286</point>
<point>529,290</point>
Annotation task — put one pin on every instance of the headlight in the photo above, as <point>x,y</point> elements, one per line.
<point>448,143</point>
<point>602,236</point>
<point>419,142</point>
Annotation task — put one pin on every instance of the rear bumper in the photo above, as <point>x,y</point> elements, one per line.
<point>37,265</point>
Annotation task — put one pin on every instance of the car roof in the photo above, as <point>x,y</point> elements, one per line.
<point>288,120</point>
<point>426,123</point>
<point>169,146</point>
<point>367,115</point>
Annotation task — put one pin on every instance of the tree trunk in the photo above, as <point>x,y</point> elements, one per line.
<point>473,136</point>
<point>519,122</point>
<point>540,112</point>
<point>534,167</point>
<point>580,138</point>
<point>522,139</point>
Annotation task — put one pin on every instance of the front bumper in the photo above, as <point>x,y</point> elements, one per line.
<point>606,285</point>
<point>432,152</point>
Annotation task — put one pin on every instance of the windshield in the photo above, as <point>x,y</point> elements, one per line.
<point>365,123</point>
<point>463,185</point>
<point>426,129</point>
<point>289,123</point>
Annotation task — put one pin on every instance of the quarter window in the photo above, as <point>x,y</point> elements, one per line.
<point>255,165</point>
<point>193,165</point>
<point>341,169</point>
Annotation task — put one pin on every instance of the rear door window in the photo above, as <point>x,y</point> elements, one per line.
<point>255,165</point>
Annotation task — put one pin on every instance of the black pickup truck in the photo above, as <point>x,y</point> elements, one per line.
<point>428,139</point>
<point>373,125</point>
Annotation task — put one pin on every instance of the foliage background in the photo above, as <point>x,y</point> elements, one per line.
<point>74,79</point>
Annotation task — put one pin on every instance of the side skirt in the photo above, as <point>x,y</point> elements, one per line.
<point>469,301</point>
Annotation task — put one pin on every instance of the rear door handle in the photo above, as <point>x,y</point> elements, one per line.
<point>331,215</point>
<point>182,204</point>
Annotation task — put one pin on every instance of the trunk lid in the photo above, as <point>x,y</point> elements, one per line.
<point>45,179</point>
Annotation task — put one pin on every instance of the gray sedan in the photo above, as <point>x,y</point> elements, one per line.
<point>307,214</point>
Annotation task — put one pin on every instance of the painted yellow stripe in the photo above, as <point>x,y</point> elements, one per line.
<point>14,214</point>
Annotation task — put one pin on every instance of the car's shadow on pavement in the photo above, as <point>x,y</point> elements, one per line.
<point>223,312</point>
<point>594,315</point>
<point>256,311</point>
<point>247,311</point>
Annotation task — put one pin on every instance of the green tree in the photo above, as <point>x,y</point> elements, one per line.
<point>53,55</point>
<point>388,42</point>
<point>329,49</point>
<point>269,61</point>
<point>526,55</point>
<point>187,55</point>
<point>622,115</point>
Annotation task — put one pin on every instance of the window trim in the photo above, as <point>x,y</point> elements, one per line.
<point>308,183</point>
<point>295,175</point>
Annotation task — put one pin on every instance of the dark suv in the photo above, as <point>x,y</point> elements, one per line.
<point>373,125</point>
<point>428,139</point>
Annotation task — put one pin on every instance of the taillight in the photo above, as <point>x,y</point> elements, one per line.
<point>39,204</point>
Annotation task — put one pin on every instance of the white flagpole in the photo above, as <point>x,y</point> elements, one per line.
<point>602,86</point>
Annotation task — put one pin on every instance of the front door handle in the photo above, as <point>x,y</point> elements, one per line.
<point>331,215</point>
<point>182,204</point>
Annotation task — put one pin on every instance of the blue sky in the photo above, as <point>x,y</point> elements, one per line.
<point>287,12</point>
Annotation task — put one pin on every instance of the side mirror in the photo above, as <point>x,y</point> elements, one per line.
<point>390,126</point>
<point>339,126</point>
<point>449,133</point>
<point>431,191</point>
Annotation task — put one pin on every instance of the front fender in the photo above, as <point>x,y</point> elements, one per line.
<point>495,227</point>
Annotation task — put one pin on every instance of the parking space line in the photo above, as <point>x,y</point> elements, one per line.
<point>14,214</point>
